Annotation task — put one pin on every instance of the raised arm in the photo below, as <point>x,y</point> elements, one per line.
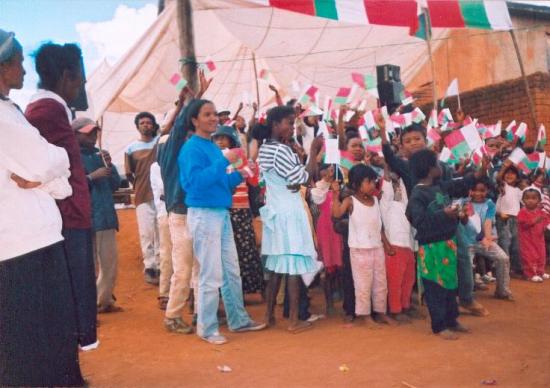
<point>277,95</point>
<point>239,109</point>
<point>340,208</point>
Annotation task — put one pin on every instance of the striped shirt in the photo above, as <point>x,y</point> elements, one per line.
<point>275,155</point>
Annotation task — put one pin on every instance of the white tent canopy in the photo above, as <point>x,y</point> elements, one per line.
<point>292,47</point>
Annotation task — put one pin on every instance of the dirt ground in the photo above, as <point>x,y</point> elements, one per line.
<point>511,345</point>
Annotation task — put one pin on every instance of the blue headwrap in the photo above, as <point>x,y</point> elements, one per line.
<point>9,46</point>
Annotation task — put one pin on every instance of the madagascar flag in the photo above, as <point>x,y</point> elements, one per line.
<point>488,14</point>
<point>382,12</point>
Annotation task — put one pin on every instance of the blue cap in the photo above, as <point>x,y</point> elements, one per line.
<point>228,131</point>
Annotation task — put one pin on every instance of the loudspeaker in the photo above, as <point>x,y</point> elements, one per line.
<point>389,93</point>
<point>388,73</point>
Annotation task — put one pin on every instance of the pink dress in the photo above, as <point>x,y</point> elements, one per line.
<point>330,243</point>
<point>532,248</point>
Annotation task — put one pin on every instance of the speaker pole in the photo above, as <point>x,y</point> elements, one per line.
<point>532,134</point>
<point>432,65</point>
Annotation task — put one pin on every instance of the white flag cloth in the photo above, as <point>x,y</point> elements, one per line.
<point>452,90</point>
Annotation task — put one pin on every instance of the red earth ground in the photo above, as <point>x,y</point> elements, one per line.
<point>511,345</point>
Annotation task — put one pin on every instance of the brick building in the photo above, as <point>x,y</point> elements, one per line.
<point>485,63</point>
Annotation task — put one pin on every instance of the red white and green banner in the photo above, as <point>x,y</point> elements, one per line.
<point>364,81</point>
<point>488,14</point>
<point>541,137</point>
<point>462,142</point>
<point>381,12</point>
<point>525,162</point>
<point>178,81</point>
<point>342,96</point>
<point>208,66</point>
<point>374,145</point>
<point>309,95</point>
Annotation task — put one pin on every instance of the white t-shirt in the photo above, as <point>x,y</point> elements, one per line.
<point>396,226</point>
<point>365,225</point>
<point>510,202</point>
<point>157,186</point>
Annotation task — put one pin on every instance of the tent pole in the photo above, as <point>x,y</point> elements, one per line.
<point>256,79</point>
<point>532,133</point>
<point>187,43</point>
<point>432,65</point>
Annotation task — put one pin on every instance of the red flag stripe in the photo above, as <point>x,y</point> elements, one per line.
<point>445,13</point>
<point>392,13</point>
<point>301,6</point>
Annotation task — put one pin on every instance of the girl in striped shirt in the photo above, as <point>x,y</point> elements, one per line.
<point>287,237</point>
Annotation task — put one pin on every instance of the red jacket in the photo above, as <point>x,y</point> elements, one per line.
<point>50,118</point>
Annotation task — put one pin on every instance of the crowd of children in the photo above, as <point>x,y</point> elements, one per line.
<point>387,224</point>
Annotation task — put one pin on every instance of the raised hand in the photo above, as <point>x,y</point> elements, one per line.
<point>204,84</point>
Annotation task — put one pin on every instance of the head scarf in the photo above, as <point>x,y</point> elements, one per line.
<point>8,45</point>
<point>532,187</point>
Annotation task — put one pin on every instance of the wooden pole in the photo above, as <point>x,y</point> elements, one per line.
<point>432,65</point>
<point>532,134</point>
<point>256,79</point>
<point>187,43</point>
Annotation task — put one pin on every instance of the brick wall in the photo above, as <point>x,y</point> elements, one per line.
<point>505,101</point>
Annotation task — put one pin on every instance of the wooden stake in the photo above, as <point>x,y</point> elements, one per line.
<point>187,43</point>
<point>532,134</point>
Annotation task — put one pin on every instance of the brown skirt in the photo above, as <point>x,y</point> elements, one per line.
<point>249,258</point>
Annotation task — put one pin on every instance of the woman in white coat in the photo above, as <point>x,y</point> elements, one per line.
<point>38,341</point>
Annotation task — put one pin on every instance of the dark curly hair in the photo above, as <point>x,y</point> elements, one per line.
<point>52,60</point>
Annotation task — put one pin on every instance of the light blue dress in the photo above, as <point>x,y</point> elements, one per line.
<point>287,238</point>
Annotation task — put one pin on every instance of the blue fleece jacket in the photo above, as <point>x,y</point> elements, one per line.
<point>203,175</point>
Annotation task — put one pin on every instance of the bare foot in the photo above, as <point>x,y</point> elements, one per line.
<point>370,324</point>
<point>447,335</point>
<point>401,318</point>
<point>299,327</point>
<point>415,313</point>
<point>460,329</point>
<point>382,319</point>
<point>349,318</point>
<point>270,321</point>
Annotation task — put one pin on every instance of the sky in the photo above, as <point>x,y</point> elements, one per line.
<point>102,28</point>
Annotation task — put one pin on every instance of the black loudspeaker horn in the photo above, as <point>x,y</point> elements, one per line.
<point>390,88</point>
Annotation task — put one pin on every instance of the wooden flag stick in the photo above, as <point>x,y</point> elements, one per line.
<point>99,124</point>
<point>533,131</point>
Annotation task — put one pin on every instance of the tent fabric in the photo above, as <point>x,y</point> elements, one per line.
<point>293,48</point>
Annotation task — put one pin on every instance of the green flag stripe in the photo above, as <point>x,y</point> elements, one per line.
<point>326,9</point>
<point>474,14</point>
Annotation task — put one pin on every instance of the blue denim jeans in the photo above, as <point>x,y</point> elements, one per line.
<point>214,248</point>
<point>465,275</point>
<point>508,240</point>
